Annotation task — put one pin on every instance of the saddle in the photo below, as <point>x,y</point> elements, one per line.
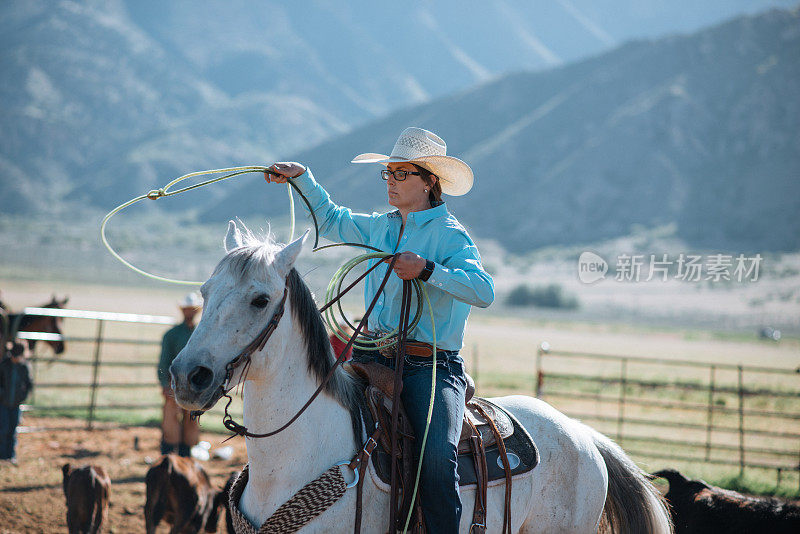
<point>493,446</point>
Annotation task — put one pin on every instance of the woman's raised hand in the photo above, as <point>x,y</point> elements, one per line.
<point>279,172</point>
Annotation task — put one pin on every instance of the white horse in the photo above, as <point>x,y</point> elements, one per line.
<point>584,481</point>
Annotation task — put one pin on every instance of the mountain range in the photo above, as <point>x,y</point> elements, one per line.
<point>573,136</point>
<point>701,130</point>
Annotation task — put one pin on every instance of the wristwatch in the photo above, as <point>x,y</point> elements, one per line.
<point>427,271</point>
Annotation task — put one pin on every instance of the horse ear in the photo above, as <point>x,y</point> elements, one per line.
<point>64,302</point>
<point>285,259</point>
<point>233,239</point>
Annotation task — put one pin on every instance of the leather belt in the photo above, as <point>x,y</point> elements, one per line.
<point>413,348</point>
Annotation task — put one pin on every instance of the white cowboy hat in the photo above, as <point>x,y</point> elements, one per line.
<point>192,300</point>
<point>429,151</point>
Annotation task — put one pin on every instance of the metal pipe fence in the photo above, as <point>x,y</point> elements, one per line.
<point>761,430</point>
<point>94,363</point>
<point>718,414</point>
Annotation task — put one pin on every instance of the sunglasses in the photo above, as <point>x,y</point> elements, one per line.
<point>399,175</point>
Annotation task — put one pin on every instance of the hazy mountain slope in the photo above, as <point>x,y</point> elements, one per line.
<point>102,100</point>
<point>700,130</point>
<point>93,109</point>
<point>363,57</point>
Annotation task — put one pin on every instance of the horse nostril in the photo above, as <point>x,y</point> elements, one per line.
<point>200,378</point>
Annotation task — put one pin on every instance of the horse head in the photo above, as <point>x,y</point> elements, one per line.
<point>45,324</point>
<point>241,296</point>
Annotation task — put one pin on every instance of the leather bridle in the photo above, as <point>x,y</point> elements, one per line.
<point>243,358</point>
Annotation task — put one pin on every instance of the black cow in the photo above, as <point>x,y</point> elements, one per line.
<point>698,508</point>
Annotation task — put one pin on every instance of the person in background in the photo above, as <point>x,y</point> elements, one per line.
<point>178,431</point>
<point>15,384</point>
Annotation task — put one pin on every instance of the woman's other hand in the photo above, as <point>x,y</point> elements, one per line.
<point>408,265</point>
<point>279,172</point>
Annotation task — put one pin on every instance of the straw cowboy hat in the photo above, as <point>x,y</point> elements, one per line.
<point>429,151</point>
<point>192,300</point>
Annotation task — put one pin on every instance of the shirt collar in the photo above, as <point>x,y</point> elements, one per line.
<point>421,217</point>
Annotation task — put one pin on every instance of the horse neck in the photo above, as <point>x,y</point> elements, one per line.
<point>319,438</point>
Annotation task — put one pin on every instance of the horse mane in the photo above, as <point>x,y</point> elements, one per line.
<point>342,386</point>
<point>256,253</point>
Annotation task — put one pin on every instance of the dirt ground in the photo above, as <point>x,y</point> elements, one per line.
<point>31,494</point>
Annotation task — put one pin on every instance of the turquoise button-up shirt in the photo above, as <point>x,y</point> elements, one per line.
<point>458,281</point>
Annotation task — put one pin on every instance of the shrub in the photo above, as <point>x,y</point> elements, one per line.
<point>549,296</point>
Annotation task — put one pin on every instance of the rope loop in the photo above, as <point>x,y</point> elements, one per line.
<point>155,194</point>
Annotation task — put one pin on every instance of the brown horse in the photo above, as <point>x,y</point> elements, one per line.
<point>13,323</point>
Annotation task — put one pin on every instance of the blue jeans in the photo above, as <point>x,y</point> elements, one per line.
<point>9,419</point>
<point>440,500</point>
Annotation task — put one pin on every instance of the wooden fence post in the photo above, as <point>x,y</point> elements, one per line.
<point>741,420</point>
<point>623,382</point>
<point>538,376</point>
<point>710,419</point>
<point>95,373</point>
<point>35,373</point>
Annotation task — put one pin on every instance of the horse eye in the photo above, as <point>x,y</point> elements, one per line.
<point>260,301</point>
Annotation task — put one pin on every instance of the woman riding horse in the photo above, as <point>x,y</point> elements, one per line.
<point>436,249</point>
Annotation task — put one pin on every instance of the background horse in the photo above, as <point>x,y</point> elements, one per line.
<point>13,323</point>
<point>583,482</point>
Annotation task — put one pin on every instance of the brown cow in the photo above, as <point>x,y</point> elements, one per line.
<point>180,492</point>
<point>86,489</point>
<point>699,508</point>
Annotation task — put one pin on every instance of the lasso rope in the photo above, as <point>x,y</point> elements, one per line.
<point>334,288</point>
<point>155,194</point>
<point>430,414</point>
